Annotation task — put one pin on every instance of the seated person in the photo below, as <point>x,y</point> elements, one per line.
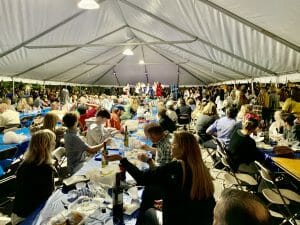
<point>55,108</point>
<point>76,148</point>
<point>97,133</point>
<point>8,117</point>
<point>276,128</point>
<point>165,122</point>
<point>237,207</point>
<point>50,122</point>
<point>204,120</point>
<point>183,109</point>
<point>224,126</point>
<point>242,149</point>
<point>115,115</point>
<point>162,140</point>
<point>186,185</point>
<point>291,131</point>
<point>85,113</point>
<point>171,111</point>
<point>35,182</point>
<point>23,106</point>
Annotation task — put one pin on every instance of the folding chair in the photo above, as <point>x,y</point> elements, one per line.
<point>8,188</point>
<point>233,178</point>
<point>278,196</point>
<point>184,121</point>
<point>59,155</point>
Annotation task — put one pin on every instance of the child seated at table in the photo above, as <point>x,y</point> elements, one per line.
<point>76,147</point>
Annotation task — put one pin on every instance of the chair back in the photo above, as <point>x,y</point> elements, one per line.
<point>265,174</point>
<point>184,119</point>
<point>59,153</point>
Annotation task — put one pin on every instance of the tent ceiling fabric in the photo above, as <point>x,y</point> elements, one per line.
<point>217,40</point>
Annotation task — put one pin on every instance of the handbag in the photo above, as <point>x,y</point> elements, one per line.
<point>283,151</point>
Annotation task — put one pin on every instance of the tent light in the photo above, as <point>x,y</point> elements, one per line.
<point>88,4</point>
<point>141,62</point>
<point>127,51</point>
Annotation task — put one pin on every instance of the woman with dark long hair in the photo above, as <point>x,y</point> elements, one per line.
<point>186,184</point>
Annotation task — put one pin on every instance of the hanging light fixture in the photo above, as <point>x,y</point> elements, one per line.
<point>141,62</point>
<point>128,51</point>
<point>88,4</point>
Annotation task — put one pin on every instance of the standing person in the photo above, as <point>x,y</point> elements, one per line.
<point>186,184</point>
<point>76,148</point>
<point>292,104</point>
<point>35,181</point>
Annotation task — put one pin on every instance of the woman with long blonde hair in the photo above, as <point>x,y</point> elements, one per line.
<point>35,181</point>
<point>186,185</point>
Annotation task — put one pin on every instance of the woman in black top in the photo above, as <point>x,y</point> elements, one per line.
<point>165,122</point>
<point>35,181</point>
<point>186,184</point>
<point>242,148</point>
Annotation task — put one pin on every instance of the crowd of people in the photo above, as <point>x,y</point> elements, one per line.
<point>177,174</point>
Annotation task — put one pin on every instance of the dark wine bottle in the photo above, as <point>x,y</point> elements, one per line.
<point>126,137</point>
<point>117,194</point>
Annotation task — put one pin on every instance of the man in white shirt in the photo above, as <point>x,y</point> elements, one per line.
<point>97,133</point>
<point>8,117</point>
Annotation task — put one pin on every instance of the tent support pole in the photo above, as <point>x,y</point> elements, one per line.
<point>197,78</point>
<point>13,87</point>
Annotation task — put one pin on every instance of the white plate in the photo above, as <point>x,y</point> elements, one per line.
<point>258,139</point>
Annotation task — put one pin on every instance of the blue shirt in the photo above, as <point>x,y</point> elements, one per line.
<point>223,127</point>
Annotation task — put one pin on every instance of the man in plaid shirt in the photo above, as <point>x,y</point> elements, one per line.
<point>162,141</point>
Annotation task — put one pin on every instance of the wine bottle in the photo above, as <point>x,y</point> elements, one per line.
<point>126,137</point>
<point>117,194</point>
<point>104,162</point>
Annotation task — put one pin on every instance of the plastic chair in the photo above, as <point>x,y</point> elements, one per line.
<point>278,196</point>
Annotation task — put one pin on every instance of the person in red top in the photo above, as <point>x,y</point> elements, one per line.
<point>159,89</point>
<point>86,113</point>
<point>115,120</point>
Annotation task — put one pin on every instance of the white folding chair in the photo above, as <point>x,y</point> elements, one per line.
<point>278,196</point>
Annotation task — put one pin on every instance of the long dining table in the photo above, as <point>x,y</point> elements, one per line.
<point>58,201</point>
<point>17,149</point>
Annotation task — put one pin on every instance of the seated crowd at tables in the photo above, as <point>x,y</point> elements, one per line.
<point>177,173</point>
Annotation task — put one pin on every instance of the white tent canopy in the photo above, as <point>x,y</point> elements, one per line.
<point>189,42</point>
